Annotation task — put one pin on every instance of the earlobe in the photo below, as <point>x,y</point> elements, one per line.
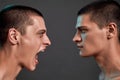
<point>12,36</point>
<point>111,30</point>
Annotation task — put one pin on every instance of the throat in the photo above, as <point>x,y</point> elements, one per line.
<point>6,74</point>
<point>110,67</point>
<point>9,71</point>
<point>112,76</point>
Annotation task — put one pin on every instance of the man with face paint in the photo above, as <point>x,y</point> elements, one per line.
<point>23,35</point>
<point>98,35</point>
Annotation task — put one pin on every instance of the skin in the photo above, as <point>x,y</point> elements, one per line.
<point>89,37</point>
<point>101,43</point>
<point>22,50</point>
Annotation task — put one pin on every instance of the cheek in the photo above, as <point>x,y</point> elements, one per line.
<point>31,44</point>
<point>37,43</point>
<point>94,43</point>
<point>83,36</point>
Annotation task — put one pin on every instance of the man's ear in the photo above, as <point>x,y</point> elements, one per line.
<point>13,36</point>
<point>111,30</point>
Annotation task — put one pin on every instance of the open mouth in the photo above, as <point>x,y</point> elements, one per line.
<point>36,59</point>
<point>37,56</point>
<point>42,51</point>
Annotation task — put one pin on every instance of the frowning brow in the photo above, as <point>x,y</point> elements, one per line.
<point>82,27</point>
<point>41,31</point>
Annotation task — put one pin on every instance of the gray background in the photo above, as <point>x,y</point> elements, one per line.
<point>61,60</point>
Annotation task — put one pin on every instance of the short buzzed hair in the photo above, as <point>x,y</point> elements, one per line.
<point>103,12</point>
<point>15,16</point>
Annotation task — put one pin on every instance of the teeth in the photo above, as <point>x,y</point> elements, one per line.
<point>42,50</point>
<point>36,56</point>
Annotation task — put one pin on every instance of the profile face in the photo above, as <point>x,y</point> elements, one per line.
<point>35,40</point>
<point>90,39</point>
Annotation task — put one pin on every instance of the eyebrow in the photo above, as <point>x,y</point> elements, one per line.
<point>41,31</point>
<point>81,27</point>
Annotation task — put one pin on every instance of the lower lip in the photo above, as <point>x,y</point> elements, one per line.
<point>36,60</point>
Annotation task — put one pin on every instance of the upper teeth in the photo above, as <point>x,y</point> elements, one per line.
<point>42,50</point>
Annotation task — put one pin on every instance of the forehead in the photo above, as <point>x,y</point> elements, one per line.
<point>79,18</point>
<point>38,24</point>
<point>82,20</point>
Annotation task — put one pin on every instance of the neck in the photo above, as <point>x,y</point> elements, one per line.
<point>9,74</point>
<point>109,62</point>
<point>9,68</point>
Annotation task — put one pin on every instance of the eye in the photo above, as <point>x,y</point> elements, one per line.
<point>83,30</point>
<point>41,33</point>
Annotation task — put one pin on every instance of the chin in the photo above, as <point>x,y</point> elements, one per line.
<point>83,54</point>
<point>32,68</point>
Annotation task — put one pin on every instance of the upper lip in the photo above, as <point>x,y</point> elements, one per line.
<point>42,50</point>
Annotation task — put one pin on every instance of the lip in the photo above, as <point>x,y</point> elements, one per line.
<point>79,46</point>
<point>36,57</point>
<point>36,61</point>
<point>43,50</point>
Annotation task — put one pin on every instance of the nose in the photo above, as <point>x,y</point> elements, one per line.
<point>77,38</point>
<point>46,41</point>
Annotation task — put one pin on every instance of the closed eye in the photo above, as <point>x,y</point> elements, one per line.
<point>41,33</point>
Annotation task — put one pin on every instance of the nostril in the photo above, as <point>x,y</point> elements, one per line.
<point>77,40</point>
<point>47,43</point>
